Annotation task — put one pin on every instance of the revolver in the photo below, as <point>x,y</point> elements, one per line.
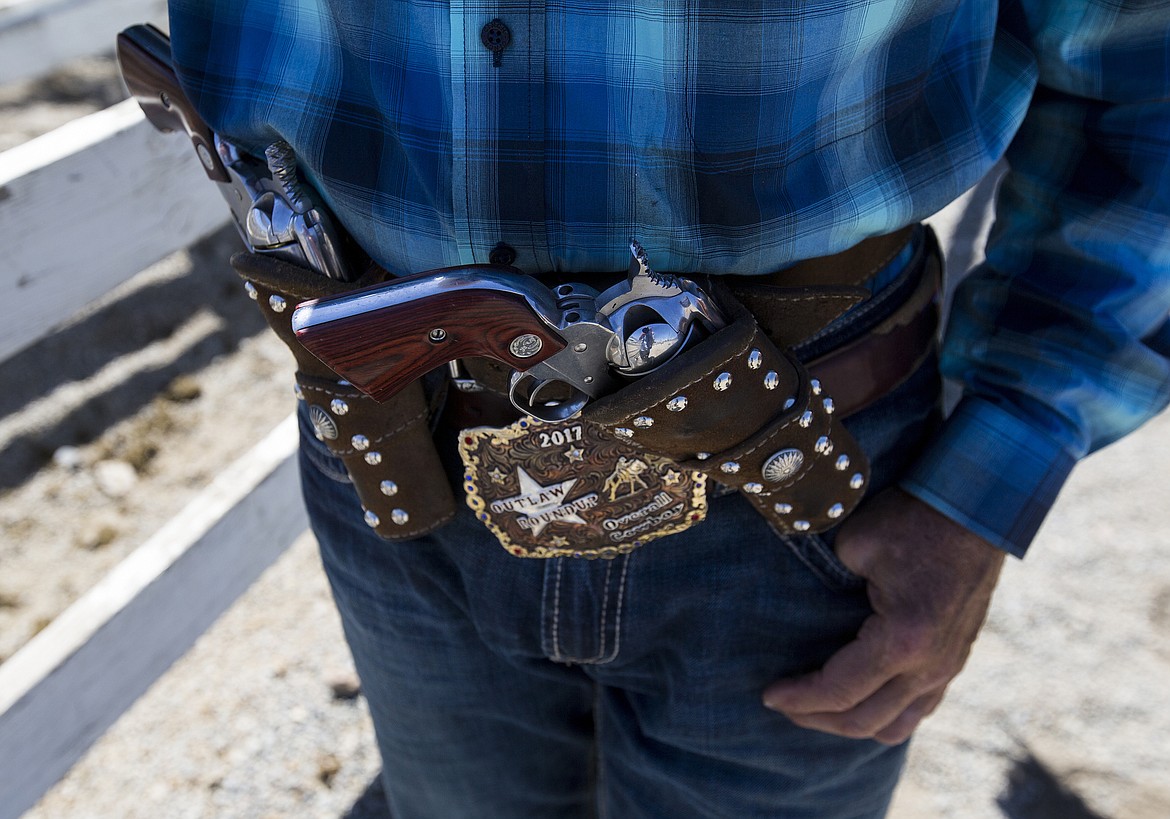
<point>275,212</point>
<point>567,345</point>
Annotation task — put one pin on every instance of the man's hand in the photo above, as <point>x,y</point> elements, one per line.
<point>929,582</point>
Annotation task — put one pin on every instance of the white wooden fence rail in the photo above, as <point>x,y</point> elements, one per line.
<point>83,209</point>
<point>38,35</point>
<point>87,206</point>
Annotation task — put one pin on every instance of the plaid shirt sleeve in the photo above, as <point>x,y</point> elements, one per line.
<point>1060,337</point>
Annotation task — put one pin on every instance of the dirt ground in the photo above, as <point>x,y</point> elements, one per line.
<point>112,425</point>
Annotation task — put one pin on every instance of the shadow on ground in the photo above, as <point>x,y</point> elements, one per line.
<point>1034,792</point>
<point>142,317</point>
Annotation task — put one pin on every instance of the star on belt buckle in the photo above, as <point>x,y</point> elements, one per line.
<point>571,489</point>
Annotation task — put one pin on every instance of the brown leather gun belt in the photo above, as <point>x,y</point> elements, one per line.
<point>855,374</point>
<point>868,368</point>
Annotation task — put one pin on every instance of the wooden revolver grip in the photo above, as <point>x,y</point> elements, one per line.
<point>144,56</point>
<point>382,350</point>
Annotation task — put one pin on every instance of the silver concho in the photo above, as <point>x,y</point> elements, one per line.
<point>783,465</point>
<point>323,425</point>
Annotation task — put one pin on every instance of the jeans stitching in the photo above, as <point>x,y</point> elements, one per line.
<point>598,750</point>
<point>604,612</point>
<point>621,601</point>
<point>556,623</point>
<point>323,464</point>
<point>824,569</point>
<point>617,620</point>
<point>833,563</point>
<point>600,658</point>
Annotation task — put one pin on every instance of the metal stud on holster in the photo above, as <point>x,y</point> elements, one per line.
<point>748,415</point>
<point>386,447</point>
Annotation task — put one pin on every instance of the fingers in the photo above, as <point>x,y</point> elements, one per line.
<point>846,680</point>
<point>929,583</point>
<point>879,686</point>
<point>901,728</point>
<point>850,676</point>
<point>889,716</point>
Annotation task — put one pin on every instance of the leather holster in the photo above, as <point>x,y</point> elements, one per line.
<point>386,447</point>
<point>747,414</point>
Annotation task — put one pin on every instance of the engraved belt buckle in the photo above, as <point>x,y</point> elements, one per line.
<point>572,489</point>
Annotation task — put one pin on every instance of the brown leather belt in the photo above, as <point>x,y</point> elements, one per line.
<point>855,374</point>
<point>859,373</point>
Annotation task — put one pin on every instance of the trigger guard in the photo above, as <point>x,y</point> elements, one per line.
<point>525,387</point>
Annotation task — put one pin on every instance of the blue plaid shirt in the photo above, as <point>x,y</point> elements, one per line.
<point>736,137</point>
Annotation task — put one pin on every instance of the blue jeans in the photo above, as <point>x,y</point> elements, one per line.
<point>506,687</point>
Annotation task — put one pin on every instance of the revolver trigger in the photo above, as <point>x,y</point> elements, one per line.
<point>547,398</point>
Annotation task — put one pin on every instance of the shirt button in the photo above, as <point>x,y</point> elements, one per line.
<point>496,37</point>
<point>502,254</point>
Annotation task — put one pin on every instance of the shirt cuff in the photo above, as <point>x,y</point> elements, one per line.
<point>991,473</point>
